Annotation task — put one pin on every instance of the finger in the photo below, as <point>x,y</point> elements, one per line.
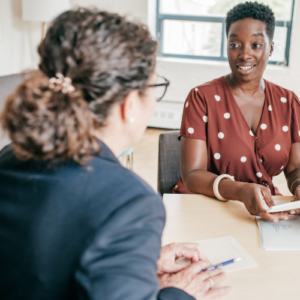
<point>218,278</point>
<point>274,217</point>
<point>294,212</point>
<point>196,247</point>
<point>192,253</point>
<point>172,267</point>
<point>197,267</point>
<point>268,217</point>
<point>208,274</point>
<point>267,197</point>
<point>283,215</point>
<point>219,292</point>
<point>211,282</point>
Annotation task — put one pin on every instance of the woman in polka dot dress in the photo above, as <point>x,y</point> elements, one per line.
<point>241,124</point>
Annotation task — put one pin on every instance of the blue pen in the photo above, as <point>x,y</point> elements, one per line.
<point>225,263</point>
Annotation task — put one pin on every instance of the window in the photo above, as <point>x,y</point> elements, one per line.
<point>196,28</point>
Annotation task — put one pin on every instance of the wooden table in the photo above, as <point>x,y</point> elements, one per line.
<point>196,217</point>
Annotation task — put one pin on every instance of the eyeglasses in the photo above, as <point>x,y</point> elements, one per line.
<point>160,87</point>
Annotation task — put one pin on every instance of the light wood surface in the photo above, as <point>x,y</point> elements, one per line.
<point>196,217</point>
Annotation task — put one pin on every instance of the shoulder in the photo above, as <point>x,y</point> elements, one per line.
<point>280,93</point>
<point>209,89</point>
<point>114,188</point>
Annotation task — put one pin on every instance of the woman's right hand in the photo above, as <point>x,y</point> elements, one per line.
<point>253,196</point>
<point>196,283</point>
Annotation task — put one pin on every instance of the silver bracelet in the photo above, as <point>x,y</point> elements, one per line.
<point>293,184</point>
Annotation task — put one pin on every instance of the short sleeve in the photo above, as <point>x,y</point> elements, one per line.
<point>194,117</point>
<point>295,120</point>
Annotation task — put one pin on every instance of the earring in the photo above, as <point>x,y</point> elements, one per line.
<point>131,120</point>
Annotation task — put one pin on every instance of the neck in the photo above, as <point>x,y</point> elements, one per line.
<point>246,87</point>
<point>111,139</point>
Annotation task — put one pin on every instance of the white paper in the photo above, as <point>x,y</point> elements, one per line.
<point>223,249</point>
<point>281,236</point>
<point>284,206</point>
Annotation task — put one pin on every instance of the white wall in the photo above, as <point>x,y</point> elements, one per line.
<point>19,40</point>
<point>136,9</point>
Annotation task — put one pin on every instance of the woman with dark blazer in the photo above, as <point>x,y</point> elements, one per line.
<point>75,224</point>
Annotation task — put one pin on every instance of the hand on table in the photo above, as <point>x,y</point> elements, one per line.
<point>197,283</point>
<point>170,253</point>
<point>254,195</point>
<point>296,198</point>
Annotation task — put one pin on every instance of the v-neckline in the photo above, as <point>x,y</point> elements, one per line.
<point>240,112</point>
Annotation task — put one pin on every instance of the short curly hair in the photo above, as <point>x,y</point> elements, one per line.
<point>255,11</point>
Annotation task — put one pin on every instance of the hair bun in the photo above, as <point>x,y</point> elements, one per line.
<point>49,120</point>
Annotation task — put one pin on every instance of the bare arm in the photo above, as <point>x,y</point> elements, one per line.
<point>196,178</point>
<point>292,170</point>
<point>292,173</point>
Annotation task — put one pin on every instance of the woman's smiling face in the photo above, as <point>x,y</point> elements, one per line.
<point>248,49</point>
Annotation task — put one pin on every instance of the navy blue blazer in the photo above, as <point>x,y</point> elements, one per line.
<point>78,232</point>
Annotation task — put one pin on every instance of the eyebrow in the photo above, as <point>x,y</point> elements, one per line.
<point>258,34</point>
<point>255,34</point>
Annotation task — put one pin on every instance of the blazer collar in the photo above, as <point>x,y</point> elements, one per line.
<point>106,153</point>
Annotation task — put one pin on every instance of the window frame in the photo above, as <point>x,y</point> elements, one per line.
<point>215,19</point>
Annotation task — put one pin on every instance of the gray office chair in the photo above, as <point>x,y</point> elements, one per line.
<point>7,85</point>
<point>168,161</point>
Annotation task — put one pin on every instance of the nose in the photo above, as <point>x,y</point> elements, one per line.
<point>246,53</point>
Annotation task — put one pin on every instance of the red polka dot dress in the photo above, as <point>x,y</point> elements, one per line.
<point>212,114</point>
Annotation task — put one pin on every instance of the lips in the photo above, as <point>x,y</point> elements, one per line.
<point>245,67</point>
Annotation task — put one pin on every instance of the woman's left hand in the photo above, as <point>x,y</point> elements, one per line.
<point>170,253</point>
<point>296,198</point>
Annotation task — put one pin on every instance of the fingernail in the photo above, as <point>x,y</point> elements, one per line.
<point>275,221</point>
<point>292,212</point>
<point>286,218</point>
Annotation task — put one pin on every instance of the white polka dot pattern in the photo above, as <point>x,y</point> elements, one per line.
<point>227,115</point>
<point>251,133</point>
<point>277,147</point>
<point>299,132</point>
<point>217,156</point>
<point>258,174</point>
<point>270,108</point>
<point>285,128</point>
<point>191,130</point>
<point>282,168</point>
<point>218,98</point>
<point>196,89</point>
<point>220,135</point>
<point>205,119</point>
<point>187,104</point>
<point>263,126</point>
<point>243,159</point>
<point>283,100</point>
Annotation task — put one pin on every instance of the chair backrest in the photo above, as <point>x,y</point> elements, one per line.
<point>168,161</point>
<point>7,85</point>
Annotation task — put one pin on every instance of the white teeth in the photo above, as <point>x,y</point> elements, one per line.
<point>245,68</point>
